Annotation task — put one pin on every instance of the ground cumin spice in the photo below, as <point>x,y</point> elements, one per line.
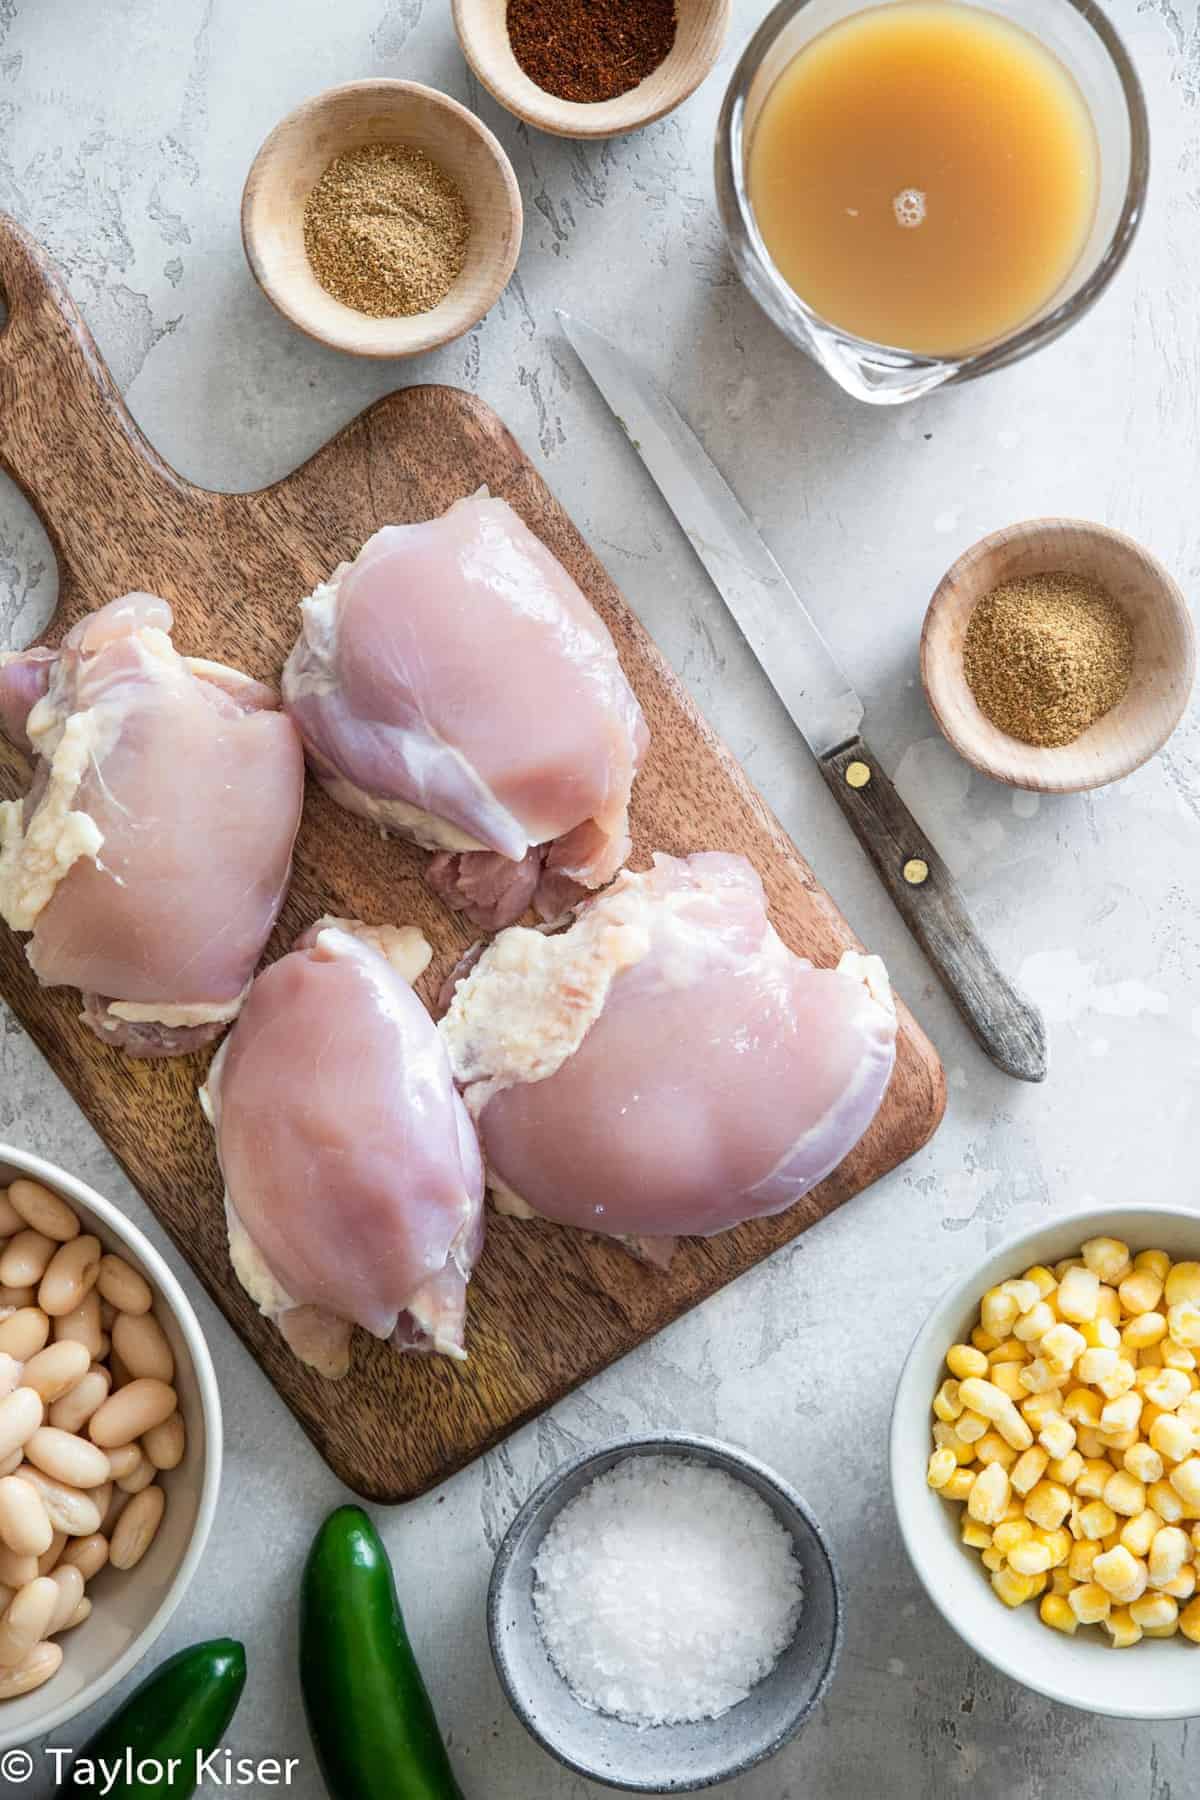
<point>1047,656</point>
<point>386,231</point>
<point>590,50</point>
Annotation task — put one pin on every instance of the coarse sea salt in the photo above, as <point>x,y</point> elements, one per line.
<point>665,1590</point>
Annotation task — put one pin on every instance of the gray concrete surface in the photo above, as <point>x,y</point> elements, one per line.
<point>125,132</point>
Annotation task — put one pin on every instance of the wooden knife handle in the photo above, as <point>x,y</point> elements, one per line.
<point>1007,1026</point>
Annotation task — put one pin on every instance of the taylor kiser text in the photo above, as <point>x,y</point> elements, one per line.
<point>220,1769</point>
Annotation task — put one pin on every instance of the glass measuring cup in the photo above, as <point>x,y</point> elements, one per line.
<point>1084,41</point>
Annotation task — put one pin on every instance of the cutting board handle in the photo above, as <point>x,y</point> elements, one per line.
<point>66,435</point>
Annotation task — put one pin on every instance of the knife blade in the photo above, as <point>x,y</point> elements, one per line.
<point>819,699</point>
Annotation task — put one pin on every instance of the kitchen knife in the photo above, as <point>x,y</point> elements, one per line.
<point>823,705</point>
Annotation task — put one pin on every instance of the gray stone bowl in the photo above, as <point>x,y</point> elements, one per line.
<point>661,1759</point>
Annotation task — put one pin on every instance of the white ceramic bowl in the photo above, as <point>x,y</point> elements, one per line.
<point>1155,1679</point>
<point>131,1610</point>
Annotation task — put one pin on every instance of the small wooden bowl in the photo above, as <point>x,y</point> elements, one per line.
<point>483,33</point>
<point>1164,664</point>
<point>296,155</point>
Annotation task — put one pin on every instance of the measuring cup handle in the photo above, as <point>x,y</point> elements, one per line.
<point>66,436</point>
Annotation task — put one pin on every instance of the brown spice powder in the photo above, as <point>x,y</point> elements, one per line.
<point>1047,656</point>
<point>386,231</point>
<point>590,50</point>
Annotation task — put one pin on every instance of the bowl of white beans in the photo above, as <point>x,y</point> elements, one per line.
<point>110,1446</point>
<point>1045,1460</point>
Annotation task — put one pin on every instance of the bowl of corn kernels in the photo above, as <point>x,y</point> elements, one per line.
<point>1045,1460</point>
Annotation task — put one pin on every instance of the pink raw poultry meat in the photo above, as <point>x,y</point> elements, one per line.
<point>667,1066</point>
<point>454,685</point>
<point>354,1185</point>
<point>152,854</point>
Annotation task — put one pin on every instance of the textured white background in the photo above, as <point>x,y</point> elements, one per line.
<point>126,129</point>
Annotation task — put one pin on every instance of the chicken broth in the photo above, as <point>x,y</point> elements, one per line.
<point>925,175</point>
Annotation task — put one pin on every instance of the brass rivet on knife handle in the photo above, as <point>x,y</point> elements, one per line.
<point>928,898</point>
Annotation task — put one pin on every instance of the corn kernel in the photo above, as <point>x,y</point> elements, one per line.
<point>946,1438</point>
<point>1172,1438</point>
<point>1120,1415</point>
<point>946,1403</point>
<point>1033,1325</point>
<point>983,1340</point>
<point>1082,1407</point>
<point>1090,1603</point>
<point>1125,1494</point>
<point>1055,1611</point>
<point>1108,1258</point>
<point>1014,1429</point>
<point>992,1559</point>
<point>1121,1574</point>
<point>942,1465</point>
<point>1196,1538</point>
<point>1016,1589</point>
<point>974,1535</point>
<point>1097,1519</point>
<point>1122,1629</point>
<point>1065,1469</point>
<point>1141,1291</point>
<point>1048,1505</point>
<point>1096,1365</point>
<point>1168,1553</point>
<point>992,1448</point>
<point>1013,1532</point>
<point>1183,1283</point>
<point>1030,1558</point>
<point>1157,1261</point>
<point>1181,1586</point>
<point>1143,1461</point>
<point>1009,1349</point>
<point>1108,1305</point>
<point>982,1397</point>
<point>1042,1278</point>
<point>1165,1501</point>
<point>1058,1543</point>
<point>1138,1533</point>
<point>1119,1383</point>
<point>1078,1294</point>
<point>1060,1581</point>
<point>1090,1444</point>
<point>970,1427</point>
<point>963,1360</point>
<point>1013,1510</point>
<point>1154,1612</point>
<point>1144,1331</point>
<point>1057,1436</point>
<point>1183,1321</point>
<point>1175,1356</point>
<point>1028,1469</point>
<point>989,1495</point>
<point>1062,1347</point>
<point>1007,1377</point>
<point>997,1315</point>
<point>1189,1621</point>
<point>1092,1479</point>
<point>1025,1294</point>
<point>1082,1557</point>
<point>1185,1479</point>
<point>1100,1334</point>
<point>1037,1408</point>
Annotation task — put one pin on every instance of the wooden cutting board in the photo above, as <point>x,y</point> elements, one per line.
<point>548,1308</point>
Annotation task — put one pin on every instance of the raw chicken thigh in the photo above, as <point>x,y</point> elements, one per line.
<point>667,1066</point>
<point>152,853</point>
<point>354,1185</point>
<point>454,685</point>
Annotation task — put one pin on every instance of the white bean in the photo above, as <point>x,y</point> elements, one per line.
<point>82,1611</point>
<point>123,1287</point>
<point>124,1459</point>
<point>76,1407</point>
<point>136,1528</point>
<point>27,1620</point>
<point>116,1507</point>
<point>10,1375</point>
<point>55,1370</point>
<point>128,1413</point>
<point>10,1219</point>
<point>24,1333</point>
<point>24,1522</point>
<point>88,1554</point>
<point>16,1571</point>
<point>140,1478</point>
<point>68,1579</point>
<point>43,1661</point>
<point>141,1343</point>
<point>65,1457</point>
<point>20,1415</point>
<point>48,1563</point>
<point>165,1444</point>
<point>44,1211</point>
<point>71,1510</point>
<point>70,1276</point>
<point>13,1298</point>
<point>82,1326</point>
<point>12,1463</point>
<point>26,1258</point>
